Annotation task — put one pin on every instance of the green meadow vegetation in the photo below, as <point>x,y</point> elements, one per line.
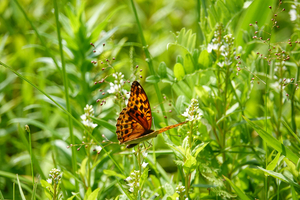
<point>230,69</point>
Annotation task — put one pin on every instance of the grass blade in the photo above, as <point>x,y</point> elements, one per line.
<point>273,142</point>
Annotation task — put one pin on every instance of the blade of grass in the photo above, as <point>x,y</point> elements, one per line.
<point>238,191</point>
<point>1,195</point>
<point>66,90</point>
<point>27,129</point>
<point>290,130</point>
<point>272,142</point>
<point>279,176</point>
<point>28,147</point>
<point>20,188</point>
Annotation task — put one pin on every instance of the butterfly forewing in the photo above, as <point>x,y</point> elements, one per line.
<point>139,106</point>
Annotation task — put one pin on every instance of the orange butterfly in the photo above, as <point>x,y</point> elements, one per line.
<point>134,122</point>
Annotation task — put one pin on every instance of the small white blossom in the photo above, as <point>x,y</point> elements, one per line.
<point>293,13</point>
<point>211,47</point>
<point>133,180</point>
<point>98,148</point>
<point>49,180</point>
<point>193,112</point>
<point>144,165</point>
<point>145,154</point>
<point>86,117</point>
<point>117,84</point>
<point>128,179</point>
<point>180,189</point>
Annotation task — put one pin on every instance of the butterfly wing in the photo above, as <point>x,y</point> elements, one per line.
<point>135,120</point>
<point>127,127</point>
<point>139,106</point>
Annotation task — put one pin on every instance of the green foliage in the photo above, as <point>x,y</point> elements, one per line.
<point>229,68</point>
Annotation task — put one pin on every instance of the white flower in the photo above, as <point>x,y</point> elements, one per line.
<point>86,117</point>
<point>117,83</point>
<point>221,64</point>
<point>49,180</point>
<point>128,179</point>
<point>145,154</point>
<point>113,88</point>
<point>144,165</point>
<point>131,190</point>
<point>293,14</point>
<point>193,112</point>
<point>98,148</point>
<point>211,47</point>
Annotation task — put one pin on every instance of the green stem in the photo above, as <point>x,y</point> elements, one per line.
<point>293,108</point>
<point>89,161</point>
<point>191,135</point>
<point>187,185</point>
<point>199,33</point>
<point>280,102</point>
<point>149,60</point>
<point>30,152</point>
<point>54,191</point>
<point>66,90</point>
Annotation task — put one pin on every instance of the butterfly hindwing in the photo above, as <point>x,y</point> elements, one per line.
<point>127,127</point>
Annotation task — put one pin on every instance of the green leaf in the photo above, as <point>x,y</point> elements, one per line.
<point>204,59</point>
<point>179,71</point>
<point>1,195</point>
<point>162,70</point>
<point>20,188</point>
<point>294,194</point>
<point>177,151</point>
<point>185,145</point>
<point>180,103</point>
<point>273,163</point>
<point>190,164</point>
<point>238,191</point>
<point>188,64</point>
<point>272,142</point>
<point>87,193</point>
<point>82,169</point>
<point>105,124</point>
<point>152,79</point>
<point>144,177</point>
<point>292,168</point>
<point>202,94</point>
<point>179,59</point>
<point>276,175</point>
<point>94,194</point>
<point>72,197</point>
<point>113,173</point>
<point>199,148</point>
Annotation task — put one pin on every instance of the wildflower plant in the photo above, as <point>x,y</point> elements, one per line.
<point>52,185</point>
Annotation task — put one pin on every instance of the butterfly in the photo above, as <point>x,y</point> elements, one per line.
<point>134,122</point>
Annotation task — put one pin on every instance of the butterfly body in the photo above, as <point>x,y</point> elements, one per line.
<point>134,122</point>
